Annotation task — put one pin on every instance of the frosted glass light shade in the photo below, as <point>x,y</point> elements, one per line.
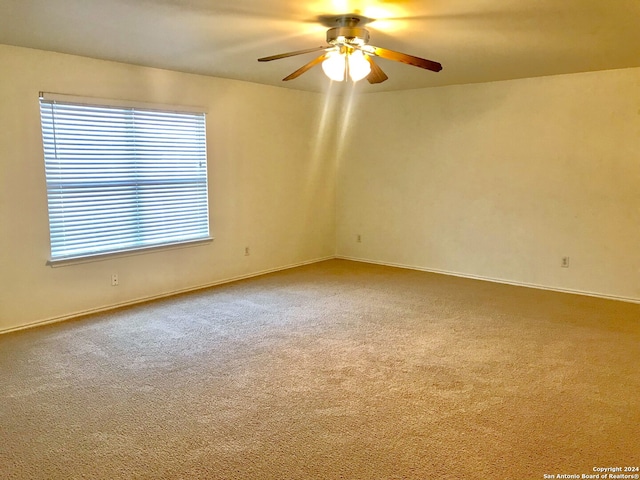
<point>359,67</point>
<point>334,66</point>
<point>337,64</point>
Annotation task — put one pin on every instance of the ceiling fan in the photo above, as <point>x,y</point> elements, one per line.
<point>349,54</point>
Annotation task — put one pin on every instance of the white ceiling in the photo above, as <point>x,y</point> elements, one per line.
<point>475,40</point>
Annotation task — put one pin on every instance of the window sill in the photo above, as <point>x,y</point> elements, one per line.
<point>63,262</point>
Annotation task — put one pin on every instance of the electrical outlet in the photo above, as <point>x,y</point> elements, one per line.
<point>246,251</point>
<point>359,238</point>
<point>114,279</point>
<point>565,262</point>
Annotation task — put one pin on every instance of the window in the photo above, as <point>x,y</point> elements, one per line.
<point>122,178</point>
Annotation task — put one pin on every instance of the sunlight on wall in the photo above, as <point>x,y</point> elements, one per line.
<point>343,120</point>
<point>322,141</point>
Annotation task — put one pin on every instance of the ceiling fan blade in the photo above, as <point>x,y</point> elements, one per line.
<point>291,54</point>
<point>404,58</point>
<point>305,67</point>
<point>376,75</point>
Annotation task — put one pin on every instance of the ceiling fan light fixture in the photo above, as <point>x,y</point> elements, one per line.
<point>359,67</point>
<point>334,66</point>
<point>337,64</point>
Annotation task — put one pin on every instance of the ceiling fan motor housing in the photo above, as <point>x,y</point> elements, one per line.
<point>348,35</point>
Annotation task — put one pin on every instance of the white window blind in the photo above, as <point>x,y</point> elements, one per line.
<point>121,178</point>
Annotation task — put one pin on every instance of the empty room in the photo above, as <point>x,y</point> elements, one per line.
<point>319,240</point>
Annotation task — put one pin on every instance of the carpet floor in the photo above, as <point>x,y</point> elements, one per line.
<point>336,370</point>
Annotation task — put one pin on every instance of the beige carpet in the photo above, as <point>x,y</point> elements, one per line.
<point>333,370</point>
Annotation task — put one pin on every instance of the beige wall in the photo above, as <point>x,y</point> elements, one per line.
<point>500,181</point>
<point>494,180</point>
<point>271,188</point>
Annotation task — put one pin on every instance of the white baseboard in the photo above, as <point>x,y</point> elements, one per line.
<point>150,298</point>
<point>494,280</point>
<point>107,308</point>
